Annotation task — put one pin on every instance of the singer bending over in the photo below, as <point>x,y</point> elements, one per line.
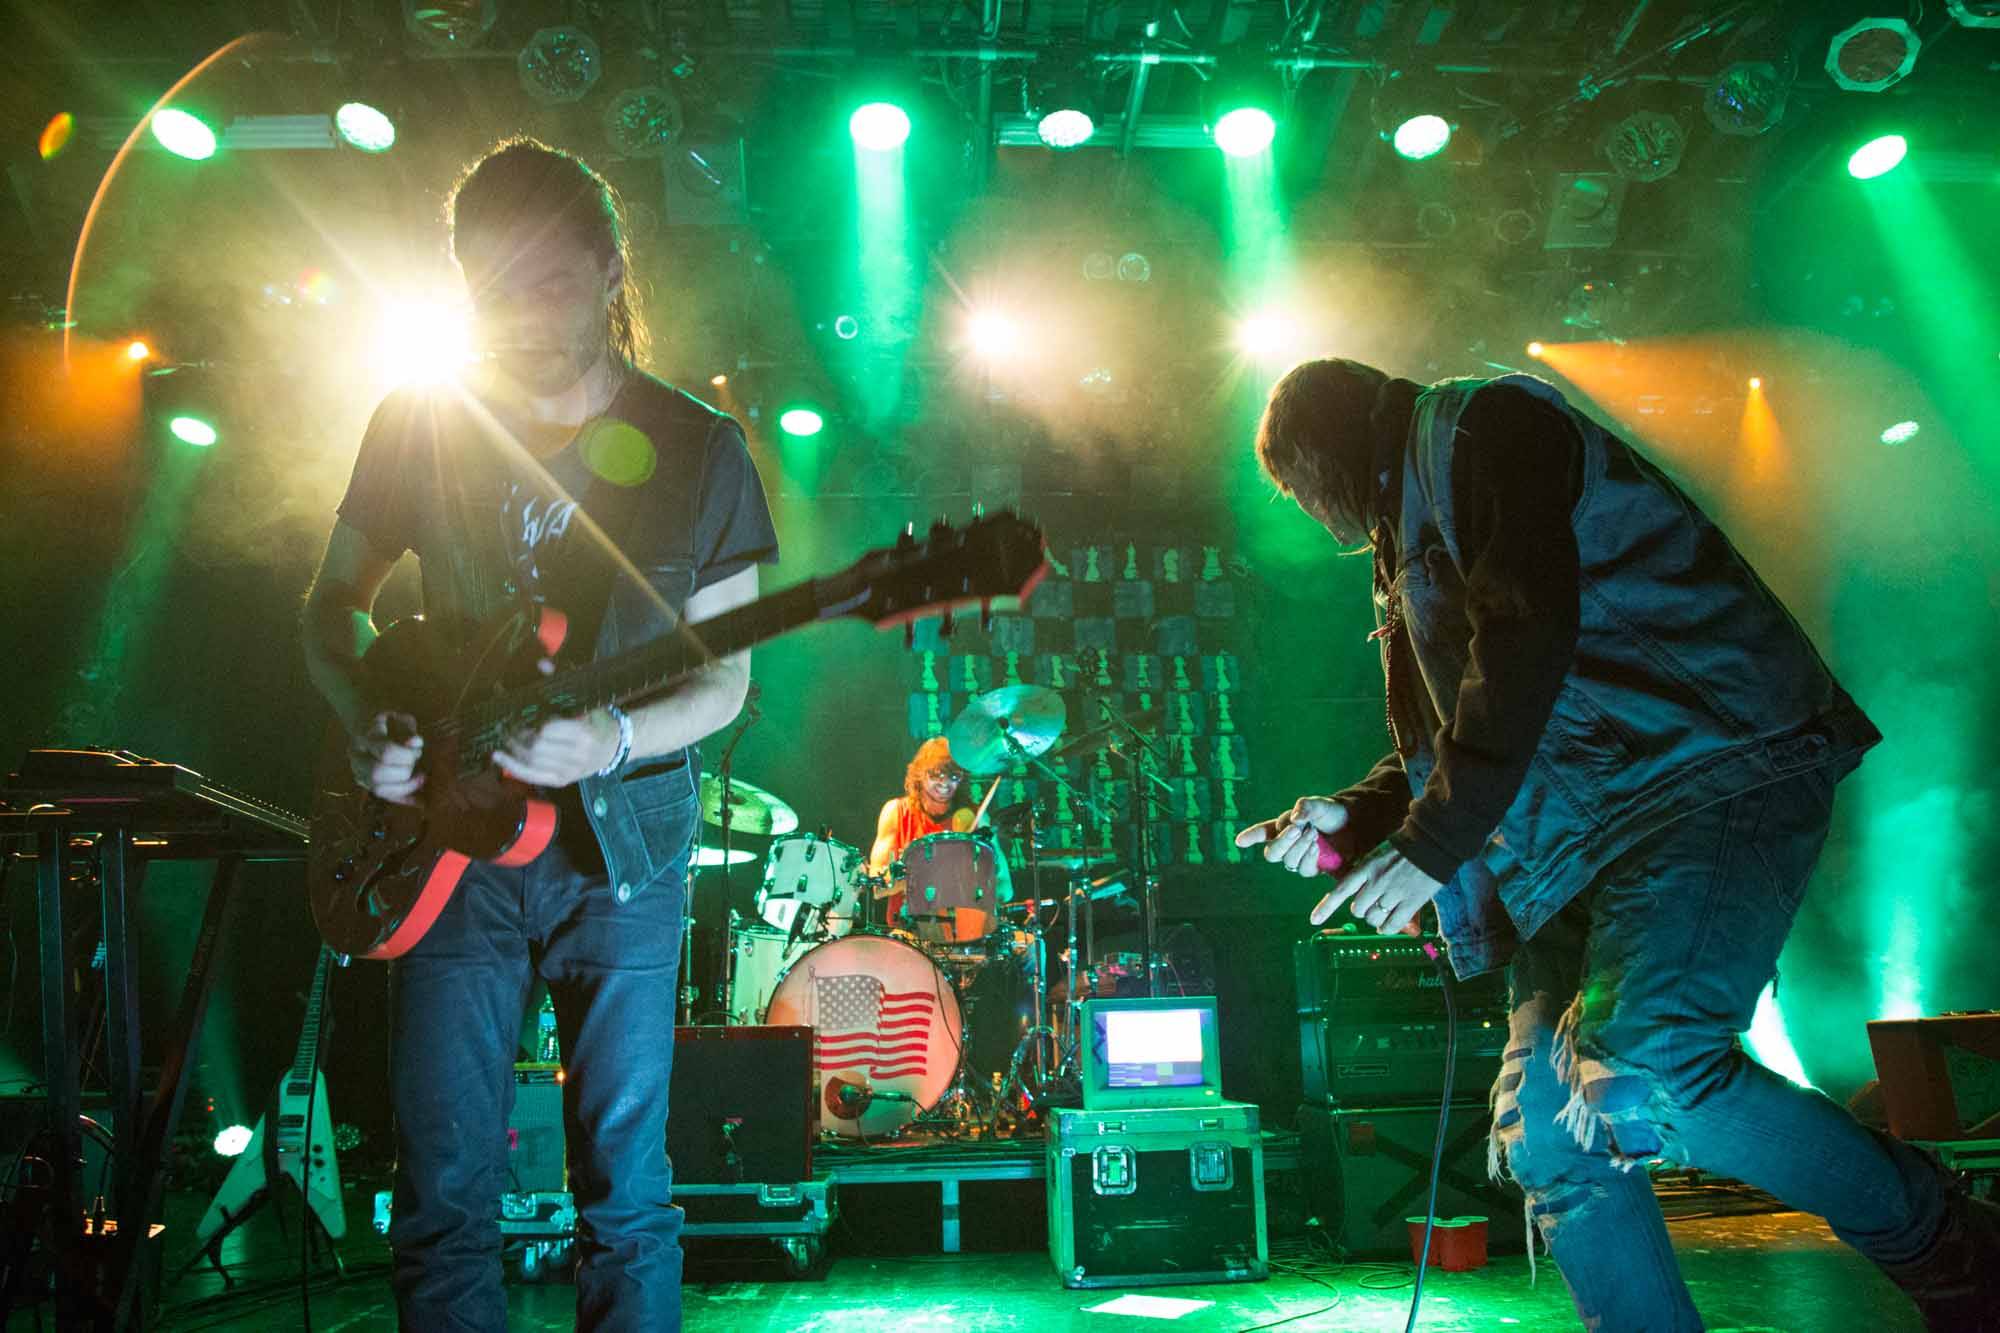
<point>1614,762</point>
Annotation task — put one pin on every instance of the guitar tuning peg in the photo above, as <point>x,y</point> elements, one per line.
<point>946,624</point>
<point>986,615</point>
<point>978,510</point>
<point>907,537</point>
<point>909,635</point>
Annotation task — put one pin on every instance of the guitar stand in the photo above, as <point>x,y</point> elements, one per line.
<point>318,1238</point>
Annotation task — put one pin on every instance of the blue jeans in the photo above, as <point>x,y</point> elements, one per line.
<point>1622,1050</point>
<point>456,1004</point>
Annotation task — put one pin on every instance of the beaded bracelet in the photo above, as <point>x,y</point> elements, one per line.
<point>624,721</point>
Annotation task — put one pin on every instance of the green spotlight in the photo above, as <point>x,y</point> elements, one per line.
<point>365,127</point>
<point>879,127</point>
<point>1878,157</point>
<point>193,430</point>
<point>1420,137</point>
<point>1245,131</point>
<point>802,422</point>
<point>183,135</point>
<point>1901,433</point>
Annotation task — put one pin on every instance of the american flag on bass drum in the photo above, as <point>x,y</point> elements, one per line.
<point>863,1027</point>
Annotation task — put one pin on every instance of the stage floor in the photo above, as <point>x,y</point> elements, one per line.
<point>1767,1271</point>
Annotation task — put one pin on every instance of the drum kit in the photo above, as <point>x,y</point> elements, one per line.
<point>942,1016</point>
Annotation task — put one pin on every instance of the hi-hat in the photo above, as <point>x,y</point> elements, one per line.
<point>1031,715</point>
<point>751,809</point>
<point>712,856</point>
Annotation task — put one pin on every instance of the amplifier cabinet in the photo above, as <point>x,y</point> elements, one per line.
<point>1940,1076</point>
<point>739,1107</point>
<point>535,1150</point>
<point>1372,1022</point>
<point>1156,1195</point>
<point>1366,1170</point>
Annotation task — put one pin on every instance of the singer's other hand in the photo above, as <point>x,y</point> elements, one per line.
<point>1387,891</point>
<point>1290,841</point>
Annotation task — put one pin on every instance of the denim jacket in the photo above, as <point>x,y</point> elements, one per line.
<point>1691,682</point>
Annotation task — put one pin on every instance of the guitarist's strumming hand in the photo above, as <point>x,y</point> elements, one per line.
<point>384,757</point>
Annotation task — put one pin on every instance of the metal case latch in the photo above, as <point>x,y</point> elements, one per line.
<point>1211,1166</point>
<point>1114,1170</point>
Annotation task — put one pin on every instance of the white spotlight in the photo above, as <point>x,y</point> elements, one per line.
<point>422,342</point>
<point>993,335</point>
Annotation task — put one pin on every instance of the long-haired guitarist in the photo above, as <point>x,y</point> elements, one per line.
<point>556,472</point>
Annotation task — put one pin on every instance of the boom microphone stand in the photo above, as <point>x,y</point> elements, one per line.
<point>751,712</point>
<point>1144,804</point>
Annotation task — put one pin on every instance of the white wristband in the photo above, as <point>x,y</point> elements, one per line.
<point>624,720</point>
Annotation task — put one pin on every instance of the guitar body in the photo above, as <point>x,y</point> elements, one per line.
<point>282,1153</point>
<point>378,873</point>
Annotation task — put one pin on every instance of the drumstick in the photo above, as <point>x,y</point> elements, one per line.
<point>991,792</point>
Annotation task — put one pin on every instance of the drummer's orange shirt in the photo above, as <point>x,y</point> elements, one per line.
<point>912,823</point>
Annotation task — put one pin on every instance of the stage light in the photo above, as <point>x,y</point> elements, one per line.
<point>1872,54</point>
<point>879,127</point>
<point>1059,95</point>
<point>1901,433</point>
<point>1423,136</point>
<point>1535,350</point>
<point>1245,131</point>
<point>1756,381</point>
<point>1645,146</point>
<point>559,64</point>
<point>450,25</point>
<point>718,380</point>
<point>1268,336</point>
<point>365,128</point>
<point>846,328</point>
<point>422,342</point>
<point>801,422</point>
<point>643,121</point>
<point>1748,98</point>
<point>232,1141</point>
<point>1974,13</point>
<point>993,335</point>
<point>193,430</point>
<point>1878,157</point>
<point>184,135</point>
<point>56,135</point>
<point>137,350</point>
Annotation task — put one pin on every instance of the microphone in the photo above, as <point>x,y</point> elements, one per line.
<point>847,1100</point>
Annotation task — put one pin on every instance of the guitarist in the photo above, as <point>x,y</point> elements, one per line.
<point>555,472</point>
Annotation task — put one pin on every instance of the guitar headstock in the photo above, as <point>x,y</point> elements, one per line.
<point>952,565</point>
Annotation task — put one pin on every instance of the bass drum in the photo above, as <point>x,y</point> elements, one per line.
<point>884,1019</point>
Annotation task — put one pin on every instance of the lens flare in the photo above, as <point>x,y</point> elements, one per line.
<point>194,431</point>
<point>422,342</point>
<point>232,1141</point>
<point>1420,137</point>
<point>800,421</point>
<point>183,135</point>
<point>56,135</point>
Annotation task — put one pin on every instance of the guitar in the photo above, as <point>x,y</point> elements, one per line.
<point>278,1147</point>
<point>379,873</point>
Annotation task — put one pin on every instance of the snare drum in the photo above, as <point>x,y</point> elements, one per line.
<point>953,884</point>
<point>884,1019</point>
<point>808,872</point>
<point>758,956</point>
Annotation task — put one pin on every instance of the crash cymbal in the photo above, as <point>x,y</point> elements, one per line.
<point>1031,714</point>
<point>712,856</point>
<point>1087,743</point>
<point>751,809</point>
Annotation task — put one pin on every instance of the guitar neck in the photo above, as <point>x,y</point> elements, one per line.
<point>306,1061</point>
<point>645,672</point>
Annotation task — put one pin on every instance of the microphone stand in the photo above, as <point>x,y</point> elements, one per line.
<point>1144,802</point>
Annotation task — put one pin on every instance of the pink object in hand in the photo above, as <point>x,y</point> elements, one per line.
<point>1329,859</point>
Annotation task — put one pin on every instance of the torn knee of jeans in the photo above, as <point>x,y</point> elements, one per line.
<point>1553,1207</point>
<point>1636,1115</point>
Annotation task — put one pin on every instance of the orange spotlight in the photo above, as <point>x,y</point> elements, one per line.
<point>1535,350</point>
<point>1756,381</point>
<point>718,380</point>
<point>136,350</point>
<point>56,135</point>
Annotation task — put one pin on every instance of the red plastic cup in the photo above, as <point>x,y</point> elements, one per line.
<point>1458,1244</point>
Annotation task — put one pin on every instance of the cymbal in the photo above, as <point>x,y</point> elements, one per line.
<point>1032,714</point>
<point>1087,743</point>
<point>751,809</point>
<point>712,856</point>
<point>1074,858</point>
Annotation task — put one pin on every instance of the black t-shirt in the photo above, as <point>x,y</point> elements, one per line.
<point>535,524</point>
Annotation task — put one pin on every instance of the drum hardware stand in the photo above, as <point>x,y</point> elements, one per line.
<point>751,712</point>
<point>1144,804</point>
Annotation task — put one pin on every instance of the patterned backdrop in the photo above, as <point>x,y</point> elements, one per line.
<point>1139,627</point>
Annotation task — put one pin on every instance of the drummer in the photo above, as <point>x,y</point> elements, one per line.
<point>935,799</point>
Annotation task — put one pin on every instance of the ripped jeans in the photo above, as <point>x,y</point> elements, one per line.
<point>1622,1050</point>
